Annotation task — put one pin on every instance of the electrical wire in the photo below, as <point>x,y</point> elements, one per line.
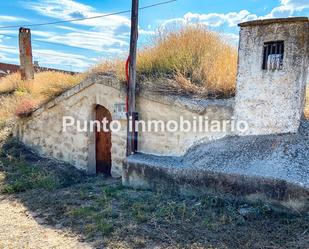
<point>87,18</point>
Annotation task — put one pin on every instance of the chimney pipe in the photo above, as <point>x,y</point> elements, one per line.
<point>25,54</point>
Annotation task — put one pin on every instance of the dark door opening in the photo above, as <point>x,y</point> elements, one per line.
<point>103,143</point>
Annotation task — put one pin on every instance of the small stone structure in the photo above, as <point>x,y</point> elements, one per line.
<point>272,74</point>
<point>43,130</point>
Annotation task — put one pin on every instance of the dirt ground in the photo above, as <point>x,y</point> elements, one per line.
<point>19,230</point>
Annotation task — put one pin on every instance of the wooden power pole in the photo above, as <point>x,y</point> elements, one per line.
<point>25,54</point>
<point>132,114</point>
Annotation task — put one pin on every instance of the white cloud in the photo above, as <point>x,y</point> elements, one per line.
<point>231,38</point>
<point>9,54</point>
<point>231,19</point>
<point>288,8</point>
<point>109,35</point>
<point>146,32</point>
<point>216,19</point>
<point>69,9</point>
<point>8,19</point>
<point>6,50</point>
<point>48,56</point>
<point>44,34</point>
<point>213,19</point>
<point>92,40</point>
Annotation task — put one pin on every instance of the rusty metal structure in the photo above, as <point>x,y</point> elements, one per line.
<point>25,54</point>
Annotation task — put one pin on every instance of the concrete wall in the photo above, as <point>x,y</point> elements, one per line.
<point>43,130</point>
<point>272,101</point>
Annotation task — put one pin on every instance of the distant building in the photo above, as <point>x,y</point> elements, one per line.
<point>6,69</point>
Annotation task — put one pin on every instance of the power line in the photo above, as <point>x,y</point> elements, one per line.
<point>86,18</point>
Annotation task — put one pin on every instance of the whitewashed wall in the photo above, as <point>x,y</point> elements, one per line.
<point>177,143</point>
<point>43,131</point>
<point>272,101</point>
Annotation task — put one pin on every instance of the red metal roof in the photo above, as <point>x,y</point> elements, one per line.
<point>6,69</point>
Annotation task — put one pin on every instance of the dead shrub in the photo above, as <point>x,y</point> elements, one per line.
<point>11,83</point>
<point>192,55</point>
<point>48,85</point>
<point>25,107</point>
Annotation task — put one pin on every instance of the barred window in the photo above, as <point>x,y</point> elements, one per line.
<point>273,55</point>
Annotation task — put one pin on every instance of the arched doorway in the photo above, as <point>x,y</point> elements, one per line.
<point>103,143</point>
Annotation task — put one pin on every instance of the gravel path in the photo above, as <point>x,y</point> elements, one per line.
<point>19,230</point>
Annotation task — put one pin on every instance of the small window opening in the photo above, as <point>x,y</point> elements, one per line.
<point>273,55</point>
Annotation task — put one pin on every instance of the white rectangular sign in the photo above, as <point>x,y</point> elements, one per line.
<point>120,111</point>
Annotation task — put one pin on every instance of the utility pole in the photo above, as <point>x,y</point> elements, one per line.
<point>132,115</point>
<point>25,54</point>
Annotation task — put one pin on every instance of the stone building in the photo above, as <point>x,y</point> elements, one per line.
<point>272,73</point>
<point>43,130</point>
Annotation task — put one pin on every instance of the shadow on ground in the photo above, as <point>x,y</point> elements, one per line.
<point>105,214</point>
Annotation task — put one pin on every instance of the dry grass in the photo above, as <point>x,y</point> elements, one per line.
<point>191,55</point>
<point>19,97</point>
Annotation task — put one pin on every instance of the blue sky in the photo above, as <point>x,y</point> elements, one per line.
<point>77,46</point>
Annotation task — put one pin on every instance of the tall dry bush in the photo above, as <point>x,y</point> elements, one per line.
<point>47,85</point>
<point>199,55</point>
<point>11,83</point>
<point>190,53</point>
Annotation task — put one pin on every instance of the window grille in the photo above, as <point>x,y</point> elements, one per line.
<point>273,55</point>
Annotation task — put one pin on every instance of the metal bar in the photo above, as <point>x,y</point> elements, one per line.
<point>266,56</point>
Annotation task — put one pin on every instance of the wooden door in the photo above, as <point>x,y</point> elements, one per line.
<point>103,143</point>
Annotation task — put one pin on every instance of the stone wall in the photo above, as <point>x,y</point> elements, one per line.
<point>167,109</point>
<point>272,101</point>
<point>43,130</point>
